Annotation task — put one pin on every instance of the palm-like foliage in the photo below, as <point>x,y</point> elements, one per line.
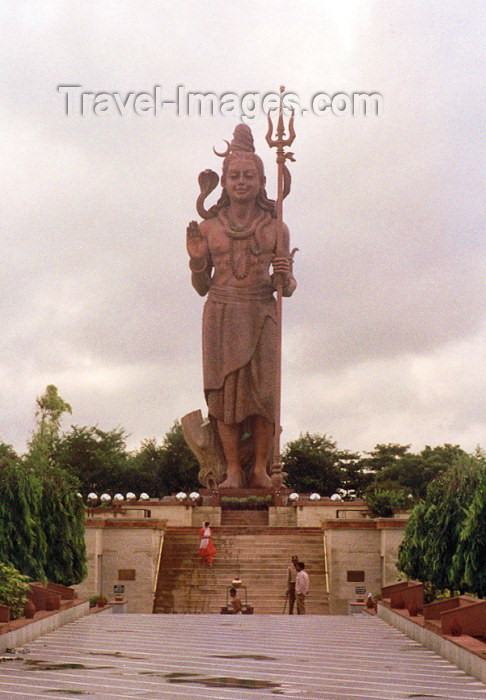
<point>445,537</point>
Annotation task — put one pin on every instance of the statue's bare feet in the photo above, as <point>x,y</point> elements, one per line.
<point>233,481</point>
<point>260,481</point>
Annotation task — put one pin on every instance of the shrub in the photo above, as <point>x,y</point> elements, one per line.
<point>94,600</point>
<point>246,502</point>
<point>14,589</point>
<point>382,502</point>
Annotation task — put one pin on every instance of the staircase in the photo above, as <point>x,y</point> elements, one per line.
<point>257,553</point>
<point>244,517</point>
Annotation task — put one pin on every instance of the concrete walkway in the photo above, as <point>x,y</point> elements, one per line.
<point>215,656</point>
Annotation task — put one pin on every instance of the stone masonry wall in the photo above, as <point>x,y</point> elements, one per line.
<point>123,553</point>
<point>360,554</point>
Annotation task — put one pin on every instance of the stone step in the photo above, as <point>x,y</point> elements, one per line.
<point>248,572</point>
<point>253,538</point>
<point>249,530</point>
<point>244,517</point>
<point>213,604</point>
<point>253,555</point>
<point>246,544</point>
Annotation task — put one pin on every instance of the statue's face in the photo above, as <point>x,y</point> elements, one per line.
<point>242,181</point>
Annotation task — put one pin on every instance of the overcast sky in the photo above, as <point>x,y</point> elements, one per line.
<point>384,339</point>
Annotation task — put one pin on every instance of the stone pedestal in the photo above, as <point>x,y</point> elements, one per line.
<point>356,607</point>
<point>118,606</point>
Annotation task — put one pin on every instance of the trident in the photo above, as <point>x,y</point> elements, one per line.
<point>280,142</point>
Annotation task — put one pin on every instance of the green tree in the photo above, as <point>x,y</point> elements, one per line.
<point>164,469</point>
<point>99,459</point>
<point>7,454</point>
<point>469,559</point>
<point>312,464</point>
<point>354,477</point>
<point>96,457</point>
<point>50,409</point>
<point>447,498</point>
<point>22,538</point>
<point>443,542</point>
<point>146,467</point>
<point>179,467</point>
<point>62,513</point>
<point>435,461</point>
<point>384,456</point>
<point>406,471</point>
<point>413,472</point>
<point>41,517</point>
<point>411,552</point>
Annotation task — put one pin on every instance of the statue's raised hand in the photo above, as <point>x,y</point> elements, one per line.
<point>195,243</point>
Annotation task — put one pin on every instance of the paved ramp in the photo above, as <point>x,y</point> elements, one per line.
<point>109,656</point>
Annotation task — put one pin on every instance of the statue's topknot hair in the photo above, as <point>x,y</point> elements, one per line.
<point>242,140</point>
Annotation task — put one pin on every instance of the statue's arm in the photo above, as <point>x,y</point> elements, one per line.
<point>283,264</point>
<point>199,257</point>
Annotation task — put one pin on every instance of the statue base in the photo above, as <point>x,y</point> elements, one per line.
<point>213,496</point>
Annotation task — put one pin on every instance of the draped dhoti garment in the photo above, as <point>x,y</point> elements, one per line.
<point>207,550</point>
<point>239,350</point>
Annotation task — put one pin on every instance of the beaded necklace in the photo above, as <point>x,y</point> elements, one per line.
<point>236,233</point>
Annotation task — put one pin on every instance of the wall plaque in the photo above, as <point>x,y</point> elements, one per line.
<point>356,576</point>
<point>126,574</point>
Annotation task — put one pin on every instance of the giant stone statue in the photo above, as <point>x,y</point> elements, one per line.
<point>235,262</point>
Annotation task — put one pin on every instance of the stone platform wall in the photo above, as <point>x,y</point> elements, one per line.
<point>361,554</point>
<point>126,553</point>
<point>124,544</point>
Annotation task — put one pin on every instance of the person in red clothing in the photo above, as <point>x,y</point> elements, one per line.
<point>207,550</point>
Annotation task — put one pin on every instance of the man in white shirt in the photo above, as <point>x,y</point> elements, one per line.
<point>301,587</point>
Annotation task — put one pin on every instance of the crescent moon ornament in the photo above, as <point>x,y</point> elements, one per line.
<point>226,153</point>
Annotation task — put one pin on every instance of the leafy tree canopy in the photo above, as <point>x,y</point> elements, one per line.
<point>7,454</point>
<point>411,471</point>
<point>96,457</point>
<point>41,516</point>
<point>383,456</point>
<point>170,467</point>
<point>99,459</point>
<point>312,464</point>
<point>50,409</point>
<point>445,535</point>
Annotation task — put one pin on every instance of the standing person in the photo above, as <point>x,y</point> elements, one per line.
<point>231,253</point>
<point>291,575</point>
<point>301,587</point>
<point>207,550</point>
